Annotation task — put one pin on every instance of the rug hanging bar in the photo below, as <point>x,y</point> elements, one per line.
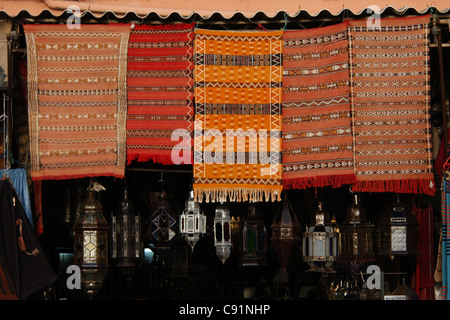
<point>159,170</point>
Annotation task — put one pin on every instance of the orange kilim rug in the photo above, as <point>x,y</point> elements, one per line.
<point>391,102</point>
<point>317,127</point>
<point>237,129</point>
<point>160,89</point>
<point>77,100</point>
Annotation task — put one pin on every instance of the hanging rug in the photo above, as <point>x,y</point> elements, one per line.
<point>391,105</point>
<point>237,129</point>
<point>77,100</point>
<point>159,82</point>
<point>317,129</point>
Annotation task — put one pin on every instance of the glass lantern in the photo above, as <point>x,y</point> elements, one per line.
<point>222,232</point>
<point>320,242</point>
<point>162,227</point>
<point>398,231</point>
<point>91,243</point>
<point>285,233</point>
<point>192,221</point>
<point>356,235</point>
<point>254,236</point>
<point>126,234</point>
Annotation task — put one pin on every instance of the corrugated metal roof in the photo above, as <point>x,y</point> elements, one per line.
<point>207,8</point>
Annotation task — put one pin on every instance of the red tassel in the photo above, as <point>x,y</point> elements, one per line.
<point>415,186</point>
<point>335,181</point>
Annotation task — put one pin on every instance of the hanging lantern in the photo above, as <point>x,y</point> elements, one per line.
<point>222,232</point>
<point>320,242</point>
<point>162,226</point>
<point>254,236</point>
<point>398,231</point>
<point>356,235</point>
<point>192,221</point>
<point>91,242</point>
<point>285,233</point>
<point>126,234</point>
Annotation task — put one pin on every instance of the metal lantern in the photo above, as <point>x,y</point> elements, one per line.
<point>91,243</point>
<point>254,236</point>
<point>162,226</point>
<point>285,233</point>
<point>126,234</point>
<point>320,242</point>
<point>356,235</point>
<point>192,221</point>
<point>222,232</point>
<point>398,231</point>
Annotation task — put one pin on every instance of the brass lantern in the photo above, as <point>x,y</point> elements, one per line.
<point>91,242</point>
<point>320,242</point>
<point>285,233</point>
<point>356,235</point>
<point>222,232</point>
<point>398,231</point>
<point>192,221</point>
<point>126,234</point>
<point>254,237</point>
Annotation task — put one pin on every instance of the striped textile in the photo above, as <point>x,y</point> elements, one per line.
<point>389,73</point>
<point>317,129</point>
<point>445,237</point>
<point>159,82</point>
<point>76,100</point>
<point>237,129</point>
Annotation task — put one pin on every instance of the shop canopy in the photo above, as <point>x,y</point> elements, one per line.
<point>207,8</point>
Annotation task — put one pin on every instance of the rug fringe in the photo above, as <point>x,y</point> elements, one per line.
<point>416,186</point>
<point>335,181</point>
<point>236,195</point>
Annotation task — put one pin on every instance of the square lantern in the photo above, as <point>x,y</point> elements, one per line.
<point>398,231</point>
<point>285,233</point>
<point>254,240</point>
<point>321,242</point>
<point>126,234</point>
<point>91,243</point>
<point>192,221</point>
<point>222,232</point>
<point>356,235</point>
<point>162,227</point>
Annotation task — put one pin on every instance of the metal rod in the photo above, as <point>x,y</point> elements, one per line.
<point>159,170</point>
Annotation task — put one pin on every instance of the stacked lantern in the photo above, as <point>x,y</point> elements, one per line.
<point>285,233</point>
<point>356,235</point>
<point>192,221</point>
<point>91,243</point>
<point>398,231</point>
<point>126,234</point>
<point>222,232</point>
<point>254,240</point>
<point>320,242</point>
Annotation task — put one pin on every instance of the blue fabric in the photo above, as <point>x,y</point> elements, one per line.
<point>19,181</point>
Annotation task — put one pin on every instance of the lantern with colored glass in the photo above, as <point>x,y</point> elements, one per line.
<point>285,233</point>
<point>356,235</point>
<point>91,242</point>
<point>192,221</point>
<point>320,242</point>
<point>222,232</point>
<point>398,231</point>
<point>126,234</point>
<point>254,236</point>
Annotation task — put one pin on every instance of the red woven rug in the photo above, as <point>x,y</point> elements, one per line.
<point>391,102</point>
<point>317,136</point>
<point>160,94</point>
<point>76,100</point>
